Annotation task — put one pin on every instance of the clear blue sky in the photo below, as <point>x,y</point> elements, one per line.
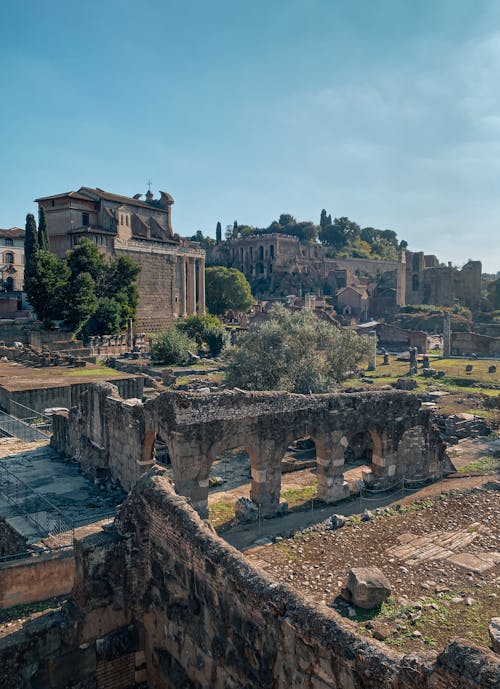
<point>386,111</point>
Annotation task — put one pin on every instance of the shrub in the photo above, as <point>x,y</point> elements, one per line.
<point>172,347</point>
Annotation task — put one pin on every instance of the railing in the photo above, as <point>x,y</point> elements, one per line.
<point>19,428</point>
<point>47,519</point>
<point>34,418</point>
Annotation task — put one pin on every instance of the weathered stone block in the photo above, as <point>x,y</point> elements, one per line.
<point>368,586</point>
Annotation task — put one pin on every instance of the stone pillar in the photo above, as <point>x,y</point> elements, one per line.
<point>201,286</point>
<point>372,354</point>
<point>191,287</point>
<point>182,291</point>
<point>266,480</point>
<point>330,469</point>
<point>447,335</point>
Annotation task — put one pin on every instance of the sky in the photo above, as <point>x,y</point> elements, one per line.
<point>387,112</point>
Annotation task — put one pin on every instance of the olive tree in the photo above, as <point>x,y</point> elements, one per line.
<point>295,352</point>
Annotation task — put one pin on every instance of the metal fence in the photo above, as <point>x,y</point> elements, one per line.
<point>32,417</point>
<point>46,518</point>
<point>12,426</point>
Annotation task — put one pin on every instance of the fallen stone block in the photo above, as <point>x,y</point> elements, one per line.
<point>494,632</point>
<point>368,586</point>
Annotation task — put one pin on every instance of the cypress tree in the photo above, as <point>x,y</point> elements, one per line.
<point>43,237</point>
<point>323,219</point>
<point>235,229</point>
<point>30,251</point>
<point>218,233</point>
<point>30,239</point>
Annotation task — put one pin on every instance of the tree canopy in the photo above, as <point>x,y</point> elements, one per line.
<point>227,289</point>
<point>295,352</point>
<point>93,295</point>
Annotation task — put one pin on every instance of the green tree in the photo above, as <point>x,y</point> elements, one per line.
<point>172,347</point>
<point>106,320</point>
<point>295,352</point>
<point>30,244</point>
<point>86,258</point>
<point>43,236</point>
<point>218,233</point>
<point>206,331</point>
<point>46,285</point>
<point>323,221</point>
<point>82,301</point>
<point>227,288</point>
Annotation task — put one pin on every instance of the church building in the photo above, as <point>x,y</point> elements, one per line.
<point>172,278</point>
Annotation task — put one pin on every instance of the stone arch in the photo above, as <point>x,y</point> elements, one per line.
<point>261,253</point>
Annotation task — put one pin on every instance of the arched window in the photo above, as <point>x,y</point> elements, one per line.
<point>261,253</point>
<point>271,251</point>
<point>9,257</point>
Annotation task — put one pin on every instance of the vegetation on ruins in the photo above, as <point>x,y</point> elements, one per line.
<point>430,318</point>
<point>190,335</point>
<point>343,237</point>
<point>227,289</point>
<point>92,295</point>
<point>294,352</point>
<point>172,347</point>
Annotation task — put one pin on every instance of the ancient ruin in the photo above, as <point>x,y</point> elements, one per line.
<point>106,432</point>
<point>160,601</point>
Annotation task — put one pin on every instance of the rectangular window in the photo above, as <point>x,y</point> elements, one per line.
<point>85,219</point>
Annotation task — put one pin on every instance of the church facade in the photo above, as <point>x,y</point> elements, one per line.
<point>172,279</point>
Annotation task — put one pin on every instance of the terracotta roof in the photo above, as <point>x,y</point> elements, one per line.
<point>71,194</point>
<point>13,233</point>
<point>107,196</point>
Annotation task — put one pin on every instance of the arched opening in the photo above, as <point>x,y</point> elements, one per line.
<point>271,251</point>
<point>9,257</point>
<point>259,269</point>
<point>9,284</point>
<point>229,484</point>
<point>360,449</point>
<point>261,253</point>
<point>299,483</point>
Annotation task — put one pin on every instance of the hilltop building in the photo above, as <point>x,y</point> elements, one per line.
<point>278,265</point>
<point>172,278</point>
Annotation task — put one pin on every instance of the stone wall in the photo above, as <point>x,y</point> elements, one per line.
<point>464,344</point>
<point>10,540</point>
<point>36,578</point>
<point>161,598</point>
<point>392,336</point>
<point>111,435</point>
<point>157,277</point>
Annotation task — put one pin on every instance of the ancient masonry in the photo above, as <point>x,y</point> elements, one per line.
<point>160,599</point>
<point>268,261</point>
<point>107,433</point>
<point>172,278</point>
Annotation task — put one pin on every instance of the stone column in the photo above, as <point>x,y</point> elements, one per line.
<point>191,287</point>
<point>201,286</point>
<point>182,291</point>
<point>266,480</point>
<point>330,465</point>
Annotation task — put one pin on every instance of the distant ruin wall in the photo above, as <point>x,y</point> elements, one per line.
<point>393,336</point>
<point>464,344</point>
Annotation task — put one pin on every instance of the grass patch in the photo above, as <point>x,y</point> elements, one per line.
<point>297,496</point>
<point>488,465</point>
<point>221,514</point>
<point>438,620</point>
<point>100,371</point>
<point>20,612</point>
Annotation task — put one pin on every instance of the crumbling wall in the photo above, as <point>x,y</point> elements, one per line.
<point>464,344</point>
<point>111,435</point>
<point>393,336</point>
<point>161,598</point>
